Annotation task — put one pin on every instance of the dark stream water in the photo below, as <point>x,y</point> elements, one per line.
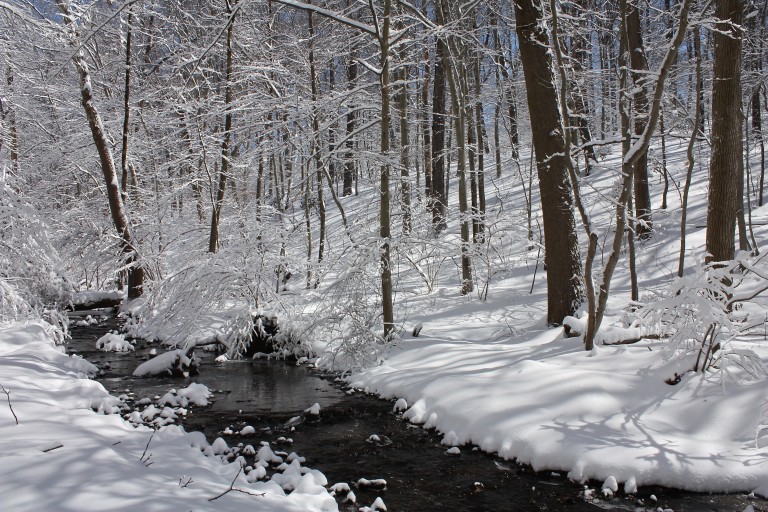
<point>271,395</point>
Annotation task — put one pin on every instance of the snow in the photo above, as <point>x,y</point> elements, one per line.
<point>65,454</point>
<point>166,363</point>
<point>596,417</point>
<point>112,342</point>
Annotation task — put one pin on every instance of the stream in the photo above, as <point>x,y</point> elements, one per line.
<point>271,396</point>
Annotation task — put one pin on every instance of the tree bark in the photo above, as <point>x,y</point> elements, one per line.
<point>384,214</point>
<point>726,131</point>
<point>561,258</point>
<point>439,196</point>
<point>639,65</point>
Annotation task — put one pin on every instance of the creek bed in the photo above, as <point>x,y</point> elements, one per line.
<point>271,396</point>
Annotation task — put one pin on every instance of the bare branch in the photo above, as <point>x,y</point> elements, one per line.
<point>330,14</point>
<point>8,395</point>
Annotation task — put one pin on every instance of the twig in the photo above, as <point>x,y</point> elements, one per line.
<point>144,457</point>
<point>232,488</point>
<point>53,448</point>
<point>8,394</point>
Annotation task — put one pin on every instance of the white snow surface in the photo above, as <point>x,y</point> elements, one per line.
<point>63,455</point>
<point>112,342</point>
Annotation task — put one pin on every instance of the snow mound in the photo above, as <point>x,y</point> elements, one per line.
<point>112,342</point>
<point>174,363</point>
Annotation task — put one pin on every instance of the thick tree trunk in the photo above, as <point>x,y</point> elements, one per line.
<point>725,161</point>
<point>350,169</point>
<point>439,196</point>
<point>562,259</point>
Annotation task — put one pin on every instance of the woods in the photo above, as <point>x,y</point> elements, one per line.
<point>251,114</point>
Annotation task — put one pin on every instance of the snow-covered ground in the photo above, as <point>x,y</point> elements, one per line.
<point>490,373</point>
<point>543,400</point>
<point>484,370</point>
<point>59,451</point>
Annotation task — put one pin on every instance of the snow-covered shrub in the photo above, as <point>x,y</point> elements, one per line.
<point>30,278</point>
<point>702,314</point>
<point>349,316</point>
<point>241,277</point>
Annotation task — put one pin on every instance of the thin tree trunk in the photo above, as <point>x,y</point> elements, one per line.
<point>457,82</point>
<point>316,148</point>
<point>213,240</point>
<point>10,114</point>
<point>480,132</point>
<point>664,171</point>
<point>689,152</point>
<point>126,109</point>
<point>426,133</point>
<point>405,184</point>
<point>116,206</point>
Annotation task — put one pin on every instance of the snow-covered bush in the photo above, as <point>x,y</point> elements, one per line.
<point>30,281</point>
<point>349,316</point>
<point>702,313</point>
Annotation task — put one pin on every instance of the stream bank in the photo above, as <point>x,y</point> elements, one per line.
<point>272,397</point>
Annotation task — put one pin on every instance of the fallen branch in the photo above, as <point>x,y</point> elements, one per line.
<point>232,488</point>
<point>10,406</point>
<point>630,341</point>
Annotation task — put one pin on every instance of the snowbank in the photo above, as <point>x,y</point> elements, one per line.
<point>540,399</point>
<point>63,455</point>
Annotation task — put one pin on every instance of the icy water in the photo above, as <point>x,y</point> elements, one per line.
<point>271,396</point>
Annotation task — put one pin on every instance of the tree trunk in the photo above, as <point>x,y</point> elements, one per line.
<point>213,239</point>
<point>316,147</point>
<point>508,92</point>
<point>384,216</point>
<point>689,152</point>
<point>726,131</point>
<point>405,183</point>
<point>350,169</point>
<point>10,114</point>
<point>439,196</point>
<point>561,257</point>
<point>639,65</point>
<point>126,109</point>
<point>426,133</point>
<point>116,207</point>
